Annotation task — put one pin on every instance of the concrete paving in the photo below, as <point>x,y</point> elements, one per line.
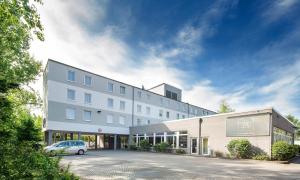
<point>143,165</point>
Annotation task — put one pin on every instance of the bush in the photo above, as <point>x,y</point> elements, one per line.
<point>239,148</point>
<point>261,157</point>
<point>297,148</point>
<point>164,147</point>
<point>132,147</point>
<point>219,154</point>
<point>281,150</point>
<point>145,145</point>
<point>156,148</point>
<point>180,151</point>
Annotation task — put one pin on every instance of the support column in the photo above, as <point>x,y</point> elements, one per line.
<point>115,142</point>
<point>71,136</point>
<point>165,137</point>
<point>145,136</point>
<point>154,139</point>
<point>96,141</point>
<point>136,139</point>
<point>49,141</point>
<point>177,140</point>
<point>66,136</point>
<point>79,135</point>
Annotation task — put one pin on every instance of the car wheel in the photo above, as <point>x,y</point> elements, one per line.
<point>81,152</point>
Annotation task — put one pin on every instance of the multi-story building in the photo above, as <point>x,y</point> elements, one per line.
<point>80,103</point>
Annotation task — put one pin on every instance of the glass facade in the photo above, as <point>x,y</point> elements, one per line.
<point>282,135</point>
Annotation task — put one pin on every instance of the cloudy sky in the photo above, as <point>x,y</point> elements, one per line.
<point>244,52</point>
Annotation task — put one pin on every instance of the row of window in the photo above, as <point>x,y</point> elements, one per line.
<point>110,88</point>
<point>87,116</point>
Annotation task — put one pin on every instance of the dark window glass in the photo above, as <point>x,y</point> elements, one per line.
<point>168,94</point>
<point>183,141</point>
<point>174,96</point>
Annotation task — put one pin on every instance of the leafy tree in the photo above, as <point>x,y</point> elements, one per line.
<point>296,122</point>
<point>225,108</point>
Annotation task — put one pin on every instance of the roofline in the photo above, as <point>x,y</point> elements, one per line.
<point>122,83</point>
<point>156,86</point>
<point>284,117</point>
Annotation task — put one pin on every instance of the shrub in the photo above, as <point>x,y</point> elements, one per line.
<point>297,148</point>
<point>164,147</point>
<point>281,150</point>
<point>156,148</point>
<point>261,157</point>
<point>239,148</point>
<point>145,145</point>
<point>132,147</point>
<point>180,151</point>
<point>219,154</point>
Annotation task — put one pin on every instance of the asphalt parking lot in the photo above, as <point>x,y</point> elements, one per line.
<point>108,164</point>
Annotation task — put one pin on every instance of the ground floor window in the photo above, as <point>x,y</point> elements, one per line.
<point>282,135</point>
<point>183,141</point>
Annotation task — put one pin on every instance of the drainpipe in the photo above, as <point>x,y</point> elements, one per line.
<point>200,139</point>
<point>132,115</point>
<point>271,134</point>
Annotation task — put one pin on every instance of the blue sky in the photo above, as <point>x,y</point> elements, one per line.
<point>244,52</point>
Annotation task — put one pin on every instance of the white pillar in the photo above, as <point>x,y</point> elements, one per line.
<point>115,142</point>
<point>154,137</point>
<point>177,140</point>
<point>136,139</point>
<point>165,137</point>
<point>145,136</point>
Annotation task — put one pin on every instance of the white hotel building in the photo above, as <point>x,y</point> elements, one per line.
<point>81,104</point>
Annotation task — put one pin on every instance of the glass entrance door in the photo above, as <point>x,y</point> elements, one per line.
<point>194,146</point>
<point>205,146</point>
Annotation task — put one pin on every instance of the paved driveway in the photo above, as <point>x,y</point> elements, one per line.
<point>143,165</point>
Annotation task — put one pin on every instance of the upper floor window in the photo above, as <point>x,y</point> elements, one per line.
<point>161,113</point>
<point>110,87</point>
<point>148,96</point>
<point>174,96</point>
<point>110,103</point>
<point>161,101</point>
<point>148,110</point>
<point>122,120</point>
<point>168,94</point>
<point>87,80</point>
<point>177,116</point>
<point>122,90</point>
<point>139,93</point>
<point>71,94</point>
<point>139,108</point>
<point>138,122</point>
<point>71,75</point>
<point>70,113</point>
<point>109,119</point>
<point>148,121</point>
<point>87,98</point>
<point>167,114</point>
<point>122,105</point>
<point>87,115</point>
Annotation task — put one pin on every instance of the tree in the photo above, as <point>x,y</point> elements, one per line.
<point>296,122</point>
<point>225,108</point>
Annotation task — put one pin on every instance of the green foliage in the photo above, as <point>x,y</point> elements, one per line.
<point>296,122</point>
<point>27,130</point>
<point>219,154</point>
<point>225,108</point>
<point>156,148</point>
<point>162,147</point>
<point>297,148</point>
<point>261,157</point>
<point>240,148</point>
<point>145,145</point>
<point>281,150</point>
<point>180,151</point>
<point>132,147</point>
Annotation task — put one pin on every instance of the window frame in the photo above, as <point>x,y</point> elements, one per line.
<point>69,70</point>
<point>68,89</point>
<point>84,117</point>
<point>112,104</point>
<point>66,113</point>
<point>122,87</point>
<point>85,98</point>
<point>108,85</point>
<point>112,119</point>
<point>84,80</point>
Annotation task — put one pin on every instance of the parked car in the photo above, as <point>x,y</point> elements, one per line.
<point>70,146</point>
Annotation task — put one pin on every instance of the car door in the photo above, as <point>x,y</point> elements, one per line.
<point>73,147</point>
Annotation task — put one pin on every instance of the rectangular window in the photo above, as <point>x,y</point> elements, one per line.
<point>183,141</point>
<point>138,122</point>
<point>168,94</point>
<point>122,90</point>
<point>177,115</point>
<point>148,110</point>
<point>71,94</point>
<point>87,115</point>
<point>110,103</point>
<point>87,80</point>
<point>71,76</point>
<point>139,108</point>
<point>109,119</point>
<point>161,113</point>
<point>87,98</point>
<point>168,114</point>
<point>122,120</point>
<point>110,87</point>
<point>148,121</point>
<point>174,96</point>
<point>122,105</point>
<point>70,113</point>
<point>139,94</point>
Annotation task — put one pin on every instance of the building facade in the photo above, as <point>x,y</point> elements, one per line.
<point>81,104</point>
<point>209,135</point>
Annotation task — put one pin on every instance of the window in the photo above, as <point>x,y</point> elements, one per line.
<point>87,98</point>
<point>71,94</point>
<point>122,90</point>
<point>70,113</point>
<point>174,96</point>
<point>168,94</point>
<point>110,87</point>
<point>177,115</point>
<point>148,110</point>
<point>122,120</point>
<point>87,115</point>
<point>87,80</point>
<point>110,103</point>
<point>148,96</point>
<point>183,116</point>
<point>161,113</point>
<point>138,122</point>
<point>139,94</point>
<point>139,108</point>
<point>148,121</point>
<point>168,114</point>
<point>122,105</point>
<point>109,119</point>
<point>183,141</point>
<point>71,76</point>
